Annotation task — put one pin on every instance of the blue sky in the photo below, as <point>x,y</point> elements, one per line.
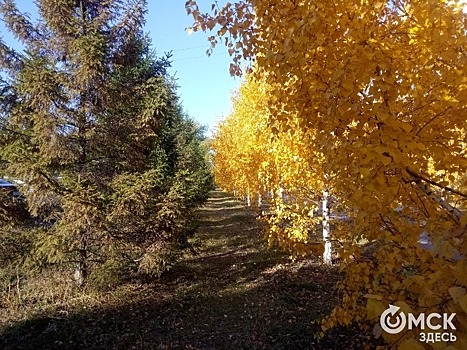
<point>204,82</point>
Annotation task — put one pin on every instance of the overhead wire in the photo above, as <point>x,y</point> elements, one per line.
<point>186,48</point>
<point>203,56</point>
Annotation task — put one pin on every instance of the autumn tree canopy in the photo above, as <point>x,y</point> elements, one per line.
<point>381,87</point>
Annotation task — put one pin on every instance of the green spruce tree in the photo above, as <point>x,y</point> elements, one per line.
<point>92,131</point>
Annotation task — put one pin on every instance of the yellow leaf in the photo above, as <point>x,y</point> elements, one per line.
<point>407,127</point>
<point>365,172</point>
<point>456,293</point>
<point>404,306</point>
<point>410,344</point>
<point>379,5</point>
<point>464,220</point>
<point>463,302</point>
<point>381,179</point>
<point>449,98</point>
<point>412,146</point>
<point>373,296</point>
<point>347,85</point>
<point>386,160</point>
<point>374,308</point>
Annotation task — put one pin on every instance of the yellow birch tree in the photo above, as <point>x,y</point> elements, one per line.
<point>383,87</point>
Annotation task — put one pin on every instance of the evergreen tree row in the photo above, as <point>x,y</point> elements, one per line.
<point>91,126</point>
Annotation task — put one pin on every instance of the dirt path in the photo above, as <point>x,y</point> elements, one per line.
<point>237,294</point>
<point>234,294</point>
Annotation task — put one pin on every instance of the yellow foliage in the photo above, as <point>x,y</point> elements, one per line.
<point>367,99</point>
<point>410,344</point>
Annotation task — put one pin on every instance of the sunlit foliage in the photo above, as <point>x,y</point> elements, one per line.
<point>382,88</point>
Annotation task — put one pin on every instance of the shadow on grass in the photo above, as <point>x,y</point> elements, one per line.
<point>235,294</point>
<point>245,313</point>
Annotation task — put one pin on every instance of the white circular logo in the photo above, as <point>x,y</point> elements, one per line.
<point>389,326</point>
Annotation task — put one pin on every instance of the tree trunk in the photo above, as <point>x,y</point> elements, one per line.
<point>81,270</point>
<point>327,255</point>
<point>260,204</point>
<point>281,193</point>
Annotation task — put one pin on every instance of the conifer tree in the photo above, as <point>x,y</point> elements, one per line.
<point>91,134</point>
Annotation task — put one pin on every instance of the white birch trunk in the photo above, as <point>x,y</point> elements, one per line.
<point>248,200</point>
<point>327,255</point>
<point>260,204</point>
<point>281,193</point>
<point>455,213</point>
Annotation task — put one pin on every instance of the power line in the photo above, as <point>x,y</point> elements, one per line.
<point>187,48</point>
<point>194,57</point>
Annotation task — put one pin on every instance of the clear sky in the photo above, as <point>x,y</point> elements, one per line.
<point>204,82</point>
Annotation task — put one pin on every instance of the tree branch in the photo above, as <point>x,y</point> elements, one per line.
<point>428,122</point>
<point>434,183</point>
<point>455,213</point>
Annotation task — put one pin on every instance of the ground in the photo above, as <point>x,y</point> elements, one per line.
<point>235,293</point>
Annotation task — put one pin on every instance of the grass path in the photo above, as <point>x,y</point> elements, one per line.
<point>233,294</point>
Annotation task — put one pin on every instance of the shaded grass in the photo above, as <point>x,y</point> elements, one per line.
<point>233,294</point>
